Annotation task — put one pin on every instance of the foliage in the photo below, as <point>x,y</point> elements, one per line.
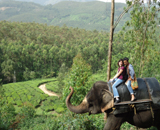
<point>52,103</point>
<point>139,34</point>
<point>84,122</point>
<point>33,50</point>
<point>43,54</point>
<point>64,122</point>
<point>127,126</point>
<point>139,41</point>
<point>27,111</point>
<point>61,76</point>
<point>7,115</point>
<point>77,78</point>
<point>39,123</point>
<point>7,112</point>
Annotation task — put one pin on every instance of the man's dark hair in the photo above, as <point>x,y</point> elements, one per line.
<point>126,59</point>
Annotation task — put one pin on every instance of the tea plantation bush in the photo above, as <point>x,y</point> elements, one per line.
<point>27,92</point>
<point>21,92</point>
<point>53,103</point>
<point>53,86</point>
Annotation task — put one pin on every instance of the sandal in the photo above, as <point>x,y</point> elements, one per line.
<point>133,99</point>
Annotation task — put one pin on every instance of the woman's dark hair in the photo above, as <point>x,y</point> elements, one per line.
<point>122,62</point>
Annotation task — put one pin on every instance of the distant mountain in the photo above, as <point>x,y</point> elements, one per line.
<point>57,1</point>
<point>42,2</point>
<point>87,15</point>
<point>46,2</point>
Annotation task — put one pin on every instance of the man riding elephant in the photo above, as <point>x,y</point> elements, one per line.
<point>131,76</point>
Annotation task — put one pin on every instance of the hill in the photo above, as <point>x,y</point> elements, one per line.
<point>46,2</point>
<point>86,15</point>
<point>42,2</point>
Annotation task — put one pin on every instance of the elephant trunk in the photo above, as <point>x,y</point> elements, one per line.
<point>82,108</point>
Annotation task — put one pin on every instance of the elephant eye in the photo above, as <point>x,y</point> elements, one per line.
<point>90,105</point>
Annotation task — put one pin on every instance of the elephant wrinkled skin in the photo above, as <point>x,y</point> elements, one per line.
<point>99,100</point>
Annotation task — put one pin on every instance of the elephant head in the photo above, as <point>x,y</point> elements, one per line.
<point>98,100</point>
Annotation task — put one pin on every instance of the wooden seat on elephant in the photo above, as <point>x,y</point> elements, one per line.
<point>135,102</point>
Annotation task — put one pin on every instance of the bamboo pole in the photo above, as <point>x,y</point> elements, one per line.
<point>110,41</point>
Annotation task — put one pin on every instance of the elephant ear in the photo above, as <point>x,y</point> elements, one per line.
<point>107,100</point>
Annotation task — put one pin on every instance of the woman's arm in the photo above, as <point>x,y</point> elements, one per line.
<point>120,72</point>
<point>114,76</point>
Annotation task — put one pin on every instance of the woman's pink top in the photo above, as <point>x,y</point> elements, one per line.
<point>121,76</point>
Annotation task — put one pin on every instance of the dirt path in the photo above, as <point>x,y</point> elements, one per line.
<point>43,88</point>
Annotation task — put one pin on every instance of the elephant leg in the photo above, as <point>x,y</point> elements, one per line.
<point>157,119</point>
<point>113,122</point>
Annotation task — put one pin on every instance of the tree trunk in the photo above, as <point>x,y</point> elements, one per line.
<point>14,77</point>
<point>110,42</point>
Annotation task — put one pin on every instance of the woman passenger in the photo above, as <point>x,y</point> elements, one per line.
<point>118,79</point>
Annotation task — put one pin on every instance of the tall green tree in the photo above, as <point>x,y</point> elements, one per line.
<point>78,77</point>
<point>138,33</point>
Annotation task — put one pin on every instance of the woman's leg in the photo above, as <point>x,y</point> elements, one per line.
<point>116,83</point>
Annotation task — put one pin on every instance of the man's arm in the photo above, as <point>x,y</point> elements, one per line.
<point>131,71</point>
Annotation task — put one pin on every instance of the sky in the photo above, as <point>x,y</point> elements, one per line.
<point>120,1</point>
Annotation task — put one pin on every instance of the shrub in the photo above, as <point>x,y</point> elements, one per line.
<point>19,103</point>
<point>77,78</point>
<point>27,111</point>
<point>7,115</point>
<point>32,75</point>
<point>48,104</point>
<point>26,74</point>
<point>40,123</point>
<point>70,121</point>
<point>60,109</point>
<point>52,103</point>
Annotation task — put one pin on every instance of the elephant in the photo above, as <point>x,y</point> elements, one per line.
<point>99,99</point>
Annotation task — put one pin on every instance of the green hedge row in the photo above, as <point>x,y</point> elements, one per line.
<point>21,92</point>
<point>52,103</point>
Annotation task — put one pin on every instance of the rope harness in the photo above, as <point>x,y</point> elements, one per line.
<point>150,102</point>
